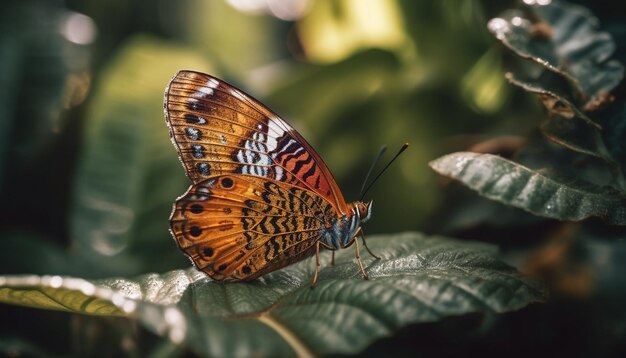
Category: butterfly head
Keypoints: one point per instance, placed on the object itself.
(363, 210)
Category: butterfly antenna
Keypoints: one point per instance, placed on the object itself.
(381, 151)
(402, 149)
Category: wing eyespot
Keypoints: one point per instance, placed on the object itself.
(196, 209)
(195, 231)
(208, 251)
(227, 183)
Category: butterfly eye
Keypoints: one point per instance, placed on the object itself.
(226, 183)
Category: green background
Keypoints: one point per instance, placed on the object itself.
(88, 173)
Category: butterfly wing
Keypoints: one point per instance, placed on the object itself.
(238, 227)
(218, 129)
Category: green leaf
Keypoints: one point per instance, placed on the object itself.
(418, 279)
(583, 51)
(59, 293)
(557, 105)
(513, 184)
(571, 128)
(568, 44)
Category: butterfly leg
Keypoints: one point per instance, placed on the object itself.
(367, 248)
(332, 258)
(317, 264)
(358, 259)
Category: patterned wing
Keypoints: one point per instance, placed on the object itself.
(218, 129)
(239, 227)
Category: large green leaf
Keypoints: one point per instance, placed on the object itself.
(418, 279)
(513, 184)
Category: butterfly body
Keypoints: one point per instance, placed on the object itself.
(261, 197)
(342, 230)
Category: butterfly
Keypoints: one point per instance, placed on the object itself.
(261, 197)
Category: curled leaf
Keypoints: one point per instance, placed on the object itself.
(564, 39)
(554, 103)
(571, 128)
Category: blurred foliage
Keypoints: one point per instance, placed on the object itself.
(114, 211)
(570, 169)
(88, 174)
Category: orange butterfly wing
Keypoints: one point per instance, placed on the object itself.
(238, 227)
(260, 193)
(219, 129)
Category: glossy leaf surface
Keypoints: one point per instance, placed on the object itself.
(418, 279)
